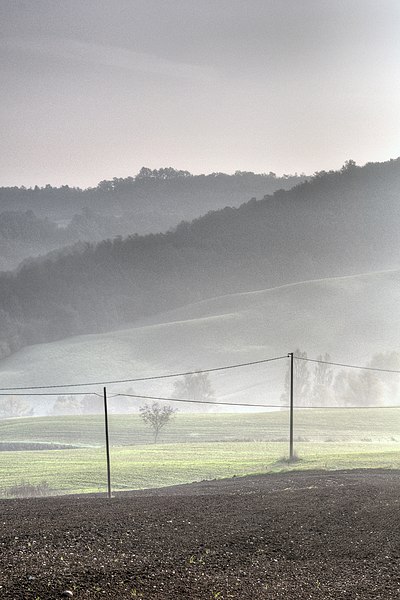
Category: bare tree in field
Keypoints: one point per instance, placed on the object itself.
(157, 416)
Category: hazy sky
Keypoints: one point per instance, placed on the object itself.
(92, 89)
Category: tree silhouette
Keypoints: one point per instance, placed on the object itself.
(12, 406)
(322, 389)
(157, 417)
(196, 386)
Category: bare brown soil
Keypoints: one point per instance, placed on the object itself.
(298, 536)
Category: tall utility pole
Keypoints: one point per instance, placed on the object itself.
(107, 444)
(291, 453)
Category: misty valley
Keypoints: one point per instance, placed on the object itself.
(311, 267)
(199, 363)
(191, 337)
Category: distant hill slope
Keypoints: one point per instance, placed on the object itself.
(351, 318)
(340, 223)
(158, 198)
(38, 220)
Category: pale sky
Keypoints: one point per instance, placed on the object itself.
(95, 89)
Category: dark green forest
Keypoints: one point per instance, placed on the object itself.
(338, 223)
(180, 193)
(37, 220)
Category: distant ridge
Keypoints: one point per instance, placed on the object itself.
(159, 197)
(339, 223)
(37, 220)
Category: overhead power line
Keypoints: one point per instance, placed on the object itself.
(48, 394)
(161, 398)
(201, 401)
(181, 374)
(244, 404)
(151, 378)
(361, 406)
(327, 362)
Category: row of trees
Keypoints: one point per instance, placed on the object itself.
(195, 387)
(315, 384)
(167, 178)
(321, 384)
(318, 385)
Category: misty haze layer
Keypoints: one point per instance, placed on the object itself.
(39, 220)
(339, 223)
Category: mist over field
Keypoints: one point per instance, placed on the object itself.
(165, 158)
(199, 299)
(312, 269)
(199, 200)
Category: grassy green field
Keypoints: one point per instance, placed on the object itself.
(195, 447)
(84, 470)
(339, 425)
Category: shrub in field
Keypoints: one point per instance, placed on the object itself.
(33, 446)
(24, 489)
(289, 460)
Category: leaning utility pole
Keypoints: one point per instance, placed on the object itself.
(291, 453)
(107, 444)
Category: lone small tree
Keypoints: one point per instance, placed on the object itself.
(157, 416)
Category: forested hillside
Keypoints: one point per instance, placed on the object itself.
(159, 198)
(37, 220)
(338, 223)
(24, 236)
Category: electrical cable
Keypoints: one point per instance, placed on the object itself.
(327, 362)
(151, 378)
(202, 401)
(48, 394)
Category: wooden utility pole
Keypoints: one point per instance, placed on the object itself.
(107, 444)
(291, 452)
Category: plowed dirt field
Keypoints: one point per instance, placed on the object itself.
(303, 535)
